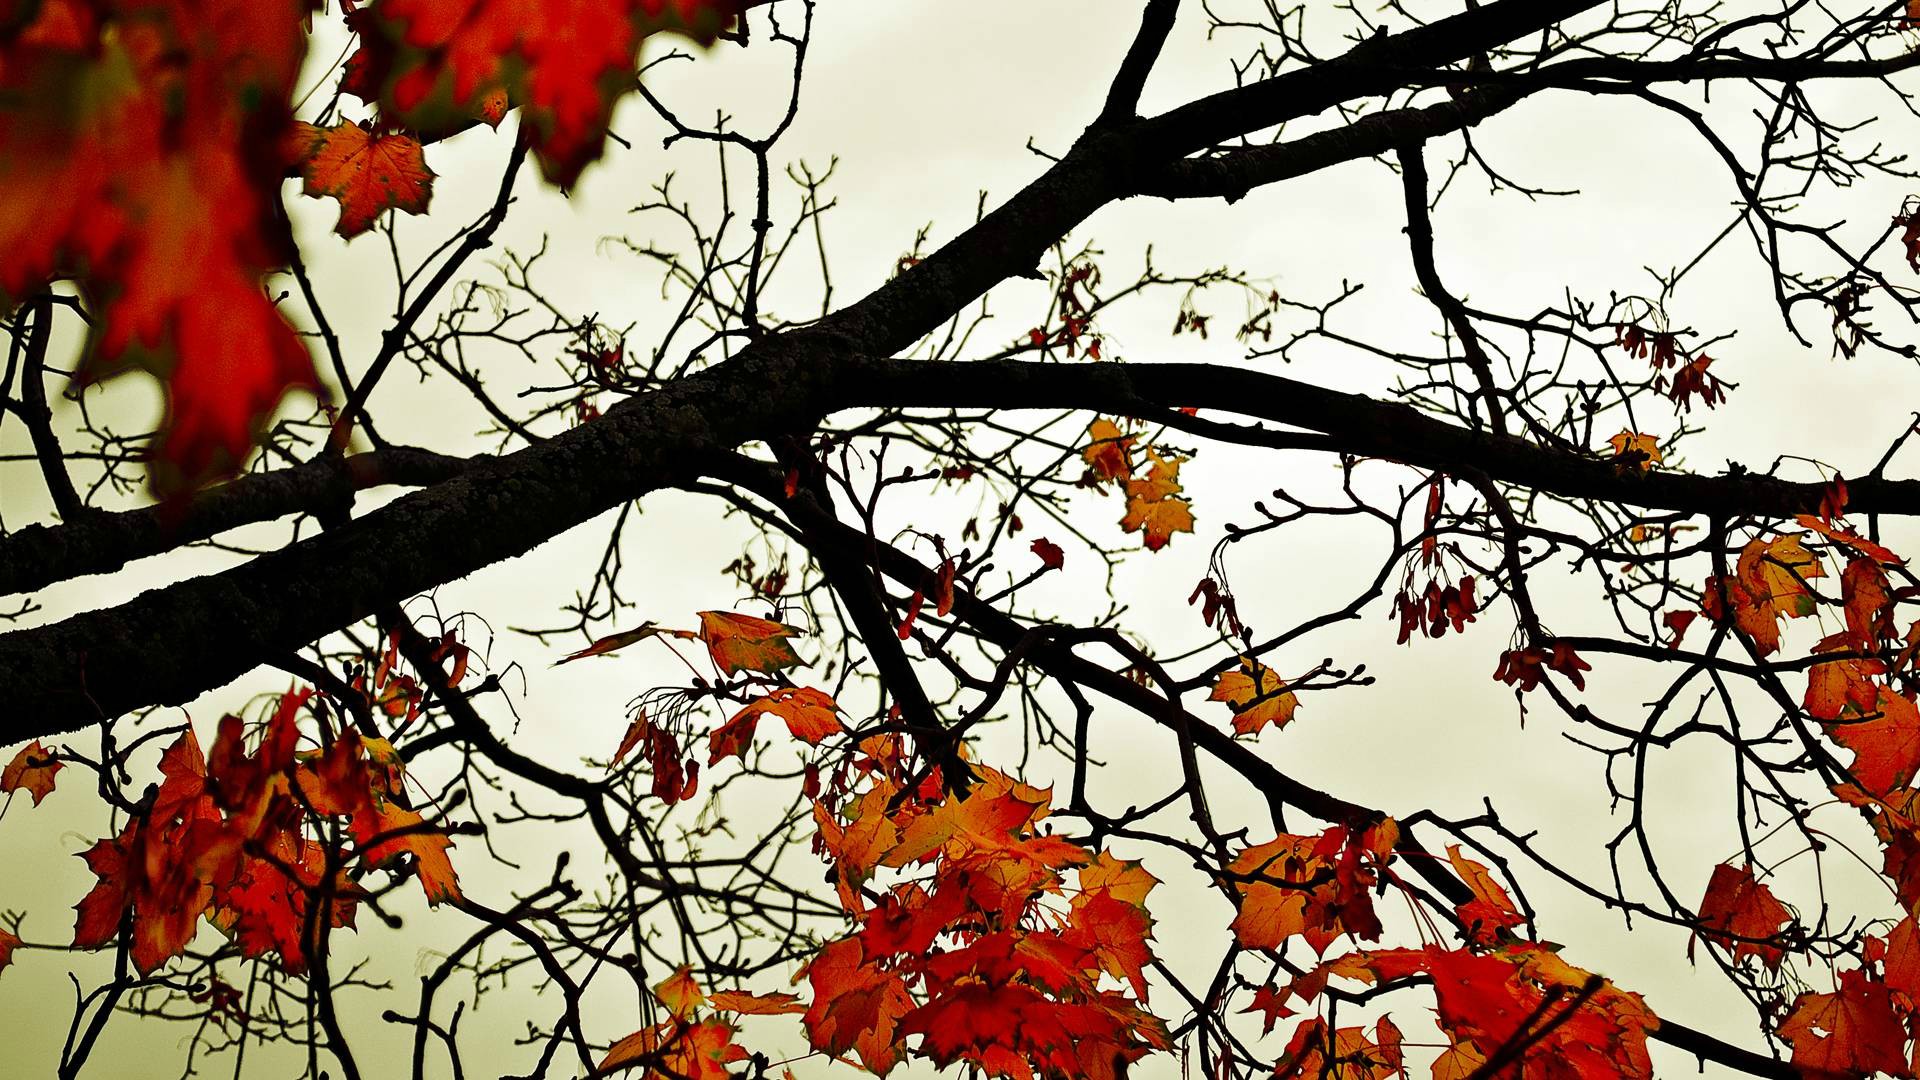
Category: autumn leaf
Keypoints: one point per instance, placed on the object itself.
(1257, 696)
(680, 993)
(749, 1004)
(855, 1006)
(1051, 557)
(1296, 886)
(1902, 962)
(1634, 450)
(1885, 741)
(1851, 539)
(1866, 599)
(1740, 907)
(1491, 909)
(33, 769)
(624, 638)
(1487, 1001)
(810, 715)
(1155, 509)
(1109, 451)
(1854, 1031)
(432, 64)
(636, 730)
(744, 643)
(428, 846)
(1524, 668)
(367, 174)
(1775, 574)
(1315, 1053)
(677, 1051)
(9, 941)
(141, 158)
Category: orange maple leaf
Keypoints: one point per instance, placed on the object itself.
(9, 941)
(366, 174)
(1316, 1053)
(1491, 909)
(33, 769)
(428, 846)
(1315, 887)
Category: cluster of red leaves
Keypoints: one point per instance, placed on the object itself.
(938, 585)
(1525, 668)
(1217, 606)
(1868, 1023)
(232, 836)
(146, 141)
(1500, 999)
(140, 155)
(981, 951)
(1076, 315)
(437, 65)
(735, 643)
(1688, 379)
(1436, 610)
(1439, 607)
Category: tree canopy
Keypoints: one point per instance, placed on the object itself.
(540, 640)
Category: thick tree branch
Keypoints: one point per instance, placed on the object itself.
(169, 645)
(1123, 97)
(40, 555)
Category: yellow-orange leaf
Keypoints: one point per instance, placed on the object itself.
(680, 993)
(32, 768)
(1257, 696)
(744, 643)
(1639, 450)
(1155, 507)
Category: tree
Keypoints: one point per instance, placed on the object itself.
(1010, 766)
